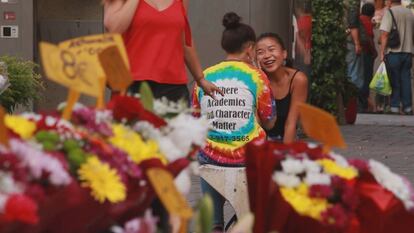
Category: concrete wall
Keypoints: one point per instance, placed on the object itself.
(263, 15)
(23, 45)
(58, 20)
(69, 9)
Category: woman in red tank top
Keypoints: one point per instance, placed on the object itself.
(158, 41)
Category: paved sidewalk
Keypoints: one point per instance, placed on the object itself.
(386, 138)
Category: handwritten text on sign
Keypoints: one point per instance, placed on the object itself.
(74, 63)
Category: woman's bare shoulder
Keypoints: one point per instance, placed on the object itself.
(300, 80)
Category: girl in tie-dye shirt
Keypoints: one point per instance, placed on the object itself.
(237, 117)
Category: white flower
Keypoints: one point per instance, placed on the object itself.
(4, 83)
(147, 130)
(317, 179)
(3, 201)
(183, 182)
(195, 168)
(187, 130)
(50, 121)
(339, 159)
(31, 116)
(392, 182)
(286, 180)
(312, 145)
(8, 185)
(170, 149)
(102, 116)
(163, 107)
(177, 138)
(77, 106)
(293, 166)
(311, 166)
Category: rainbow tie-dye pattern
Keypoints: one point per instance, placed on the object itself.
(234, 118)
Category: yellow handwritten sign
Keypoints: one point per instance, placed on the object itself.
(4, 139)
(74, 63)
(321, 126)
(163, 184)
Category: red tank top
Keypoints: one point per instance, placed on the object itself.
(154, 43)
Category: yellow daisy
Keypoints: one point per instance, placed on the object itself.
(104, 182)
(132, 143)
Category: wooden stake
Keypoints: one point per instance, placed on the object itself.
(73, 97)
(116, 71)
(4, 138)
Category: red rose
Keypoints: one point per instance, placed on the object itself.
(131, 109)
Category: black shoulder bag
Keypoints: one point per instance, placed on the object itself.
(394, 35)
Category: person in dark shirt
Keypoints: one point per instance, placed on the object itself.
(369, 53)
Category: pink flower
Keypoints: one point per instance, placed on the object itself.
(146, 224)
(39, 163)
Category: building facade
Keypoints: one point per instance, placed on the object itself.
(58, 20)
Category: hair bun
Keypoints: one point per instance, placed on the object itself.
(231, 20)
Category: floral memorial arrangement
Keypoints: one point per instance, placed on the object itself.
(305, 187)
(89, 173)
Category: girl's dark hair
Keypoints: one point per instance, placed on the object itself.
(236, 33)
(278, 39)
(274, 36)
(368, 9)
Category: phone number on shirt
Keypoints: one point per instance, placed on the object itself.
(230, 138)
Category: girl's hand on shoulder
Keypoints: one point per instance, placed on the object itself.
(209, 88)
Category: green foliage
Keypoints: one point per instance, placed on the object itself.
(328, 54)
(25, 83)
(146, 96)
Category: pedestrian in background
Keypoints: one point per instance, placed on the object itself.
(355, 35)
(398, 59)
(153, 32)
(369, 53)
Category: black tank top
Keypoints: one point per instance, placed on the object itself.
(282, 111)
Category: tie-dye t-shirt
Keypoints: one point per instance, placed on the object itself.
(234, 118)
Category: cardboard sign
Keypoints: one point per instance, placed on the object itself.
(71, 71)
(321, 126)
(163, 184)
(74, 63)
(4, 139)
(118, 76)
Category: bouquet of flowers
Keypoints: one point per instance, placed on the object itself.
(88, 174)
(307, 190)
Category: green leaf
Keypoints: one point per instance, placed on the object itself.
(25, 83)
(204, 218)
(147, 98)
